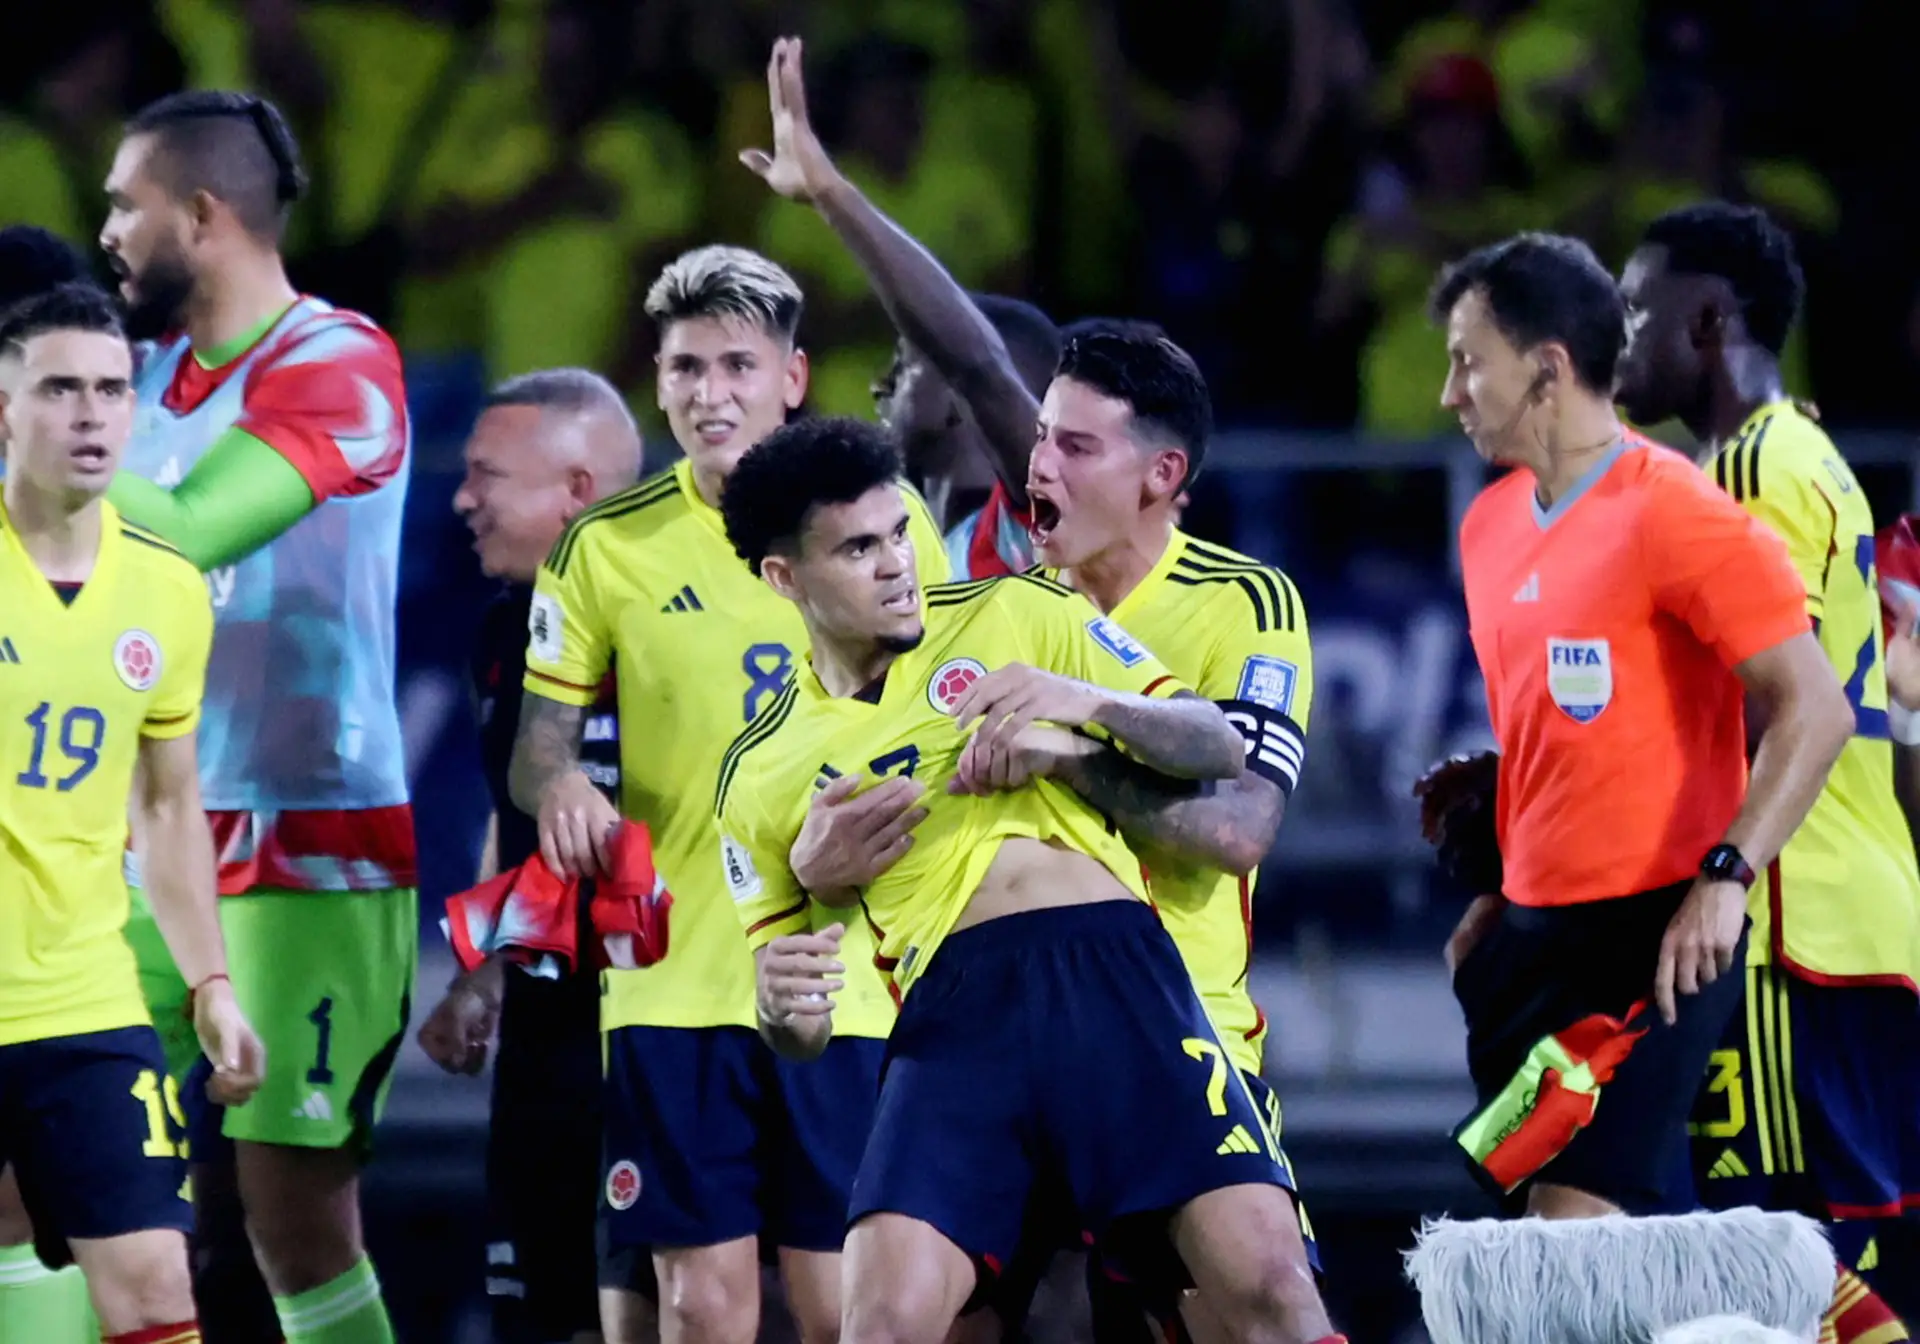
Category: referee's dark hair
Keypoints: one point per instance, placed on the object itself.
(1742, 245)
(1543, 287)
(802, 466)
(236, 147)
(33, 261)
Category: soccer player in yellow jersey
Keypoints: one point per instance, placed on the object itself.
(1048, 1028)
(1810, 1105)
(712, 1141)
(104, 634)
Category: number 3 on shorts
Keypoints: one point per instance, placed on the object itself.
(160, 1096)
(1199, 1047)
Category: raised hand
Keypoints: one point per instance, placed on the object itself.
(799, 167)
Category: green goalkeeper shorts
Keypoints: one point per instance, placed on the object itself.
(326, 978)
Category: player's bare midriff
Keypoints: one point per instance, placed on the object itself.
(1028, 875)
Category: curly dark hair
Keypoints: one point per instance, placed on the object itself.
(33, 261)
(803, 465)
(1745, 247)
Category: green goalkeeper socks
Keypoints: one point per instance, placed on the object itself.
(38, 1303)
(346, 1311)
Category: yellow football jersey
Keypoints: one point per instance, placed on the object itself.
(647, 577)
(811, 738)
(80, 685)
(1842, 904)
(1233, 629)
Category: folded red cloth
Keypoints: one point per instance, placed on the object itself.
(530, 915)
(1897, 560)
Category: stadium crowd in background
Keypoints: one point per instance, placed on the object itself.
(501, 179)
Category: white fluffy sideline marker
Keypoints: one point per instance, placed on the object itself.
(1621, 1280)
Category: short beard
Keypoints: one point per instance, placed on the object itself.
(164, 288)
(898, 644)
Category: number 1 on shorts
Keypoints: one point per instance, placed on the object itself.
(322, 1019)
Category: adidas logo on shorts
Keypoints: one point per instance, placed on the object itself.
(1728, 1166)
(1237, 1141)
(315, 1107)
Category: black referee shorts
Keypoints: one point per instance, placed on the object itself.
(1579, 1082)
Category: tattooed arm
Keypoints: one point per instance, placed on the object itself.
(1185, 735)
(1228, 824)
(546, 782)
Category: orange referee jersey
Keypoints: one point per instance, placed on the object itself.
(1607, 629)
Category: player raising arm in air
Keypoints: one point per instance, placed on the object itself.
(1833, 964)
(1047, 1017)
(104, 633)
(271, 446)
(1619, 605)
(968, 371)
(712, 1143)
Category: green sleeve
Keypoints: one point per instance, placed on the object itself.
(241, 495)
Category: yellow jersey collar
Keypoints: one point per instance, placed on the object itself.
(1150, 583)
(103, 560)
(1759, 417)
(696, 503)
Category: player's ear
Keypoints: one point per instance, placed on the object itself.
(777, 570)
(1709, 325)
(1166, 473)
(799, 371)
(202, 207)
(580, 489)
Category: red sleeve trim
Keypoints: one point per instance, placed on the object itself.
(538, 675)
(1157, 683)
(797, 908)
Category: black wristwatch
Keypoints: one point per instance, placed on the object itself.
(1724, 863)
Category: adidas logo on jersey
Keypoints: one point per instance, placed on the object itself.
(8, 654)
(1237, 1141)
(1727, 1167)
(315, 1107)
(1530, 590)
(684, 600)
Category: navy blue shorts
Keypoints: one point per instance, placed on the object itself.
(91, 1125)
(1065, 1044)
(1549, 987)
(1812, 1103)
(710, 1137)
(1051, 1227)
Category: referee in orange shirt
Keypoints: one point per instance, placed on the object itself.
(1622, 609)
